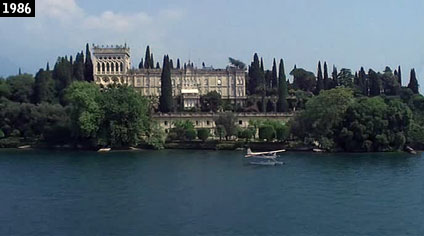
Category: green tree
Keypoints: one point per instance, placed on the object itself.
(87, 114)
(78, 67)
(237, 63)
(335, 76)
(321, 119)
(413, 82)
(320, 80)
(211, 101)
(88, 70)
(147, 59)
(304, 80)
(345, 78)
(274, 80)
(327, 81)
(4, 88)
(165, 99)
(282, 104)
(155, 136)
(20, 87)
(246, 134)
(228, 121)
(254, 75)
(62, 75)
(375, 83)
(44, 88)
(267, 133)
(203, 134)
(126, 117)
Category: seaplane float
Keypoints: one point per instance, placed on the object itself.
(264, 158)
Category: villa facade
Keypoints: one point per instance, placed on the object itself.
(112, 64)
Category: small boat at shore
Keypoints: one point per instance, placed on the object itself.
(104, 150)
(24, 147)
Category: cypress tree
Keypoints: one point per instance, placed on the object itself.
(47, 67)
(335, 76)
(274, 81)
(78, 67)
(89, 69)
(19, 71)
(282, 104)
(44, 90)
(152, 62)
(141, 64)
(320, 82)
(413, 82)
(178, 64)
(62, 76)
(356, 79)
(363, 82)
(399, 76)
(147, 58)
(254, 74)
(374, 83)
(171, 64)
(165, 99)
(262, 85)
(158, 66)
(262, 65)
(327, 82)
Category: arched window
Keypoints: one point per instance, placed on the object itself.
(103, 67)
(112, 67)
(107, 67)
(122, 67)
(117, 66)
(98, 66)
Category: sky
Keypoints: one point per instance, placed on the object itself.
(349, 34)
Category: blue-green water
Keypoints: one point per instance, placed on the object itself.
(209, 193)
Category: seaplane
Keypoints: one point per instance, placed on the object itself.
(264, 158)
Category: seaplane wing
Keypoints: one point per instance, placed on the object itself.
(252, 154)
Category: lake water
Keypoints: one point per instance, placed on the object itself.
(209, 193)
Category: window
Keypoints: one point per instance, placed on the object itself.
(197, 122)
(240, 122)
(165, 122)
(207, 122)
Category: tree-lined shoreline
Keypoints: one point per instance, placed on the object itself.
(344, 111)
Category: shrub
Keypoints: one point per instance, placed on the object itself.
(246, 134)
(267, 133)
(203, 134)
(282, 132)
(190, 134)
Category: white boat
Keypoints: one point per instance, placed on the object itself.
(104, 150)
